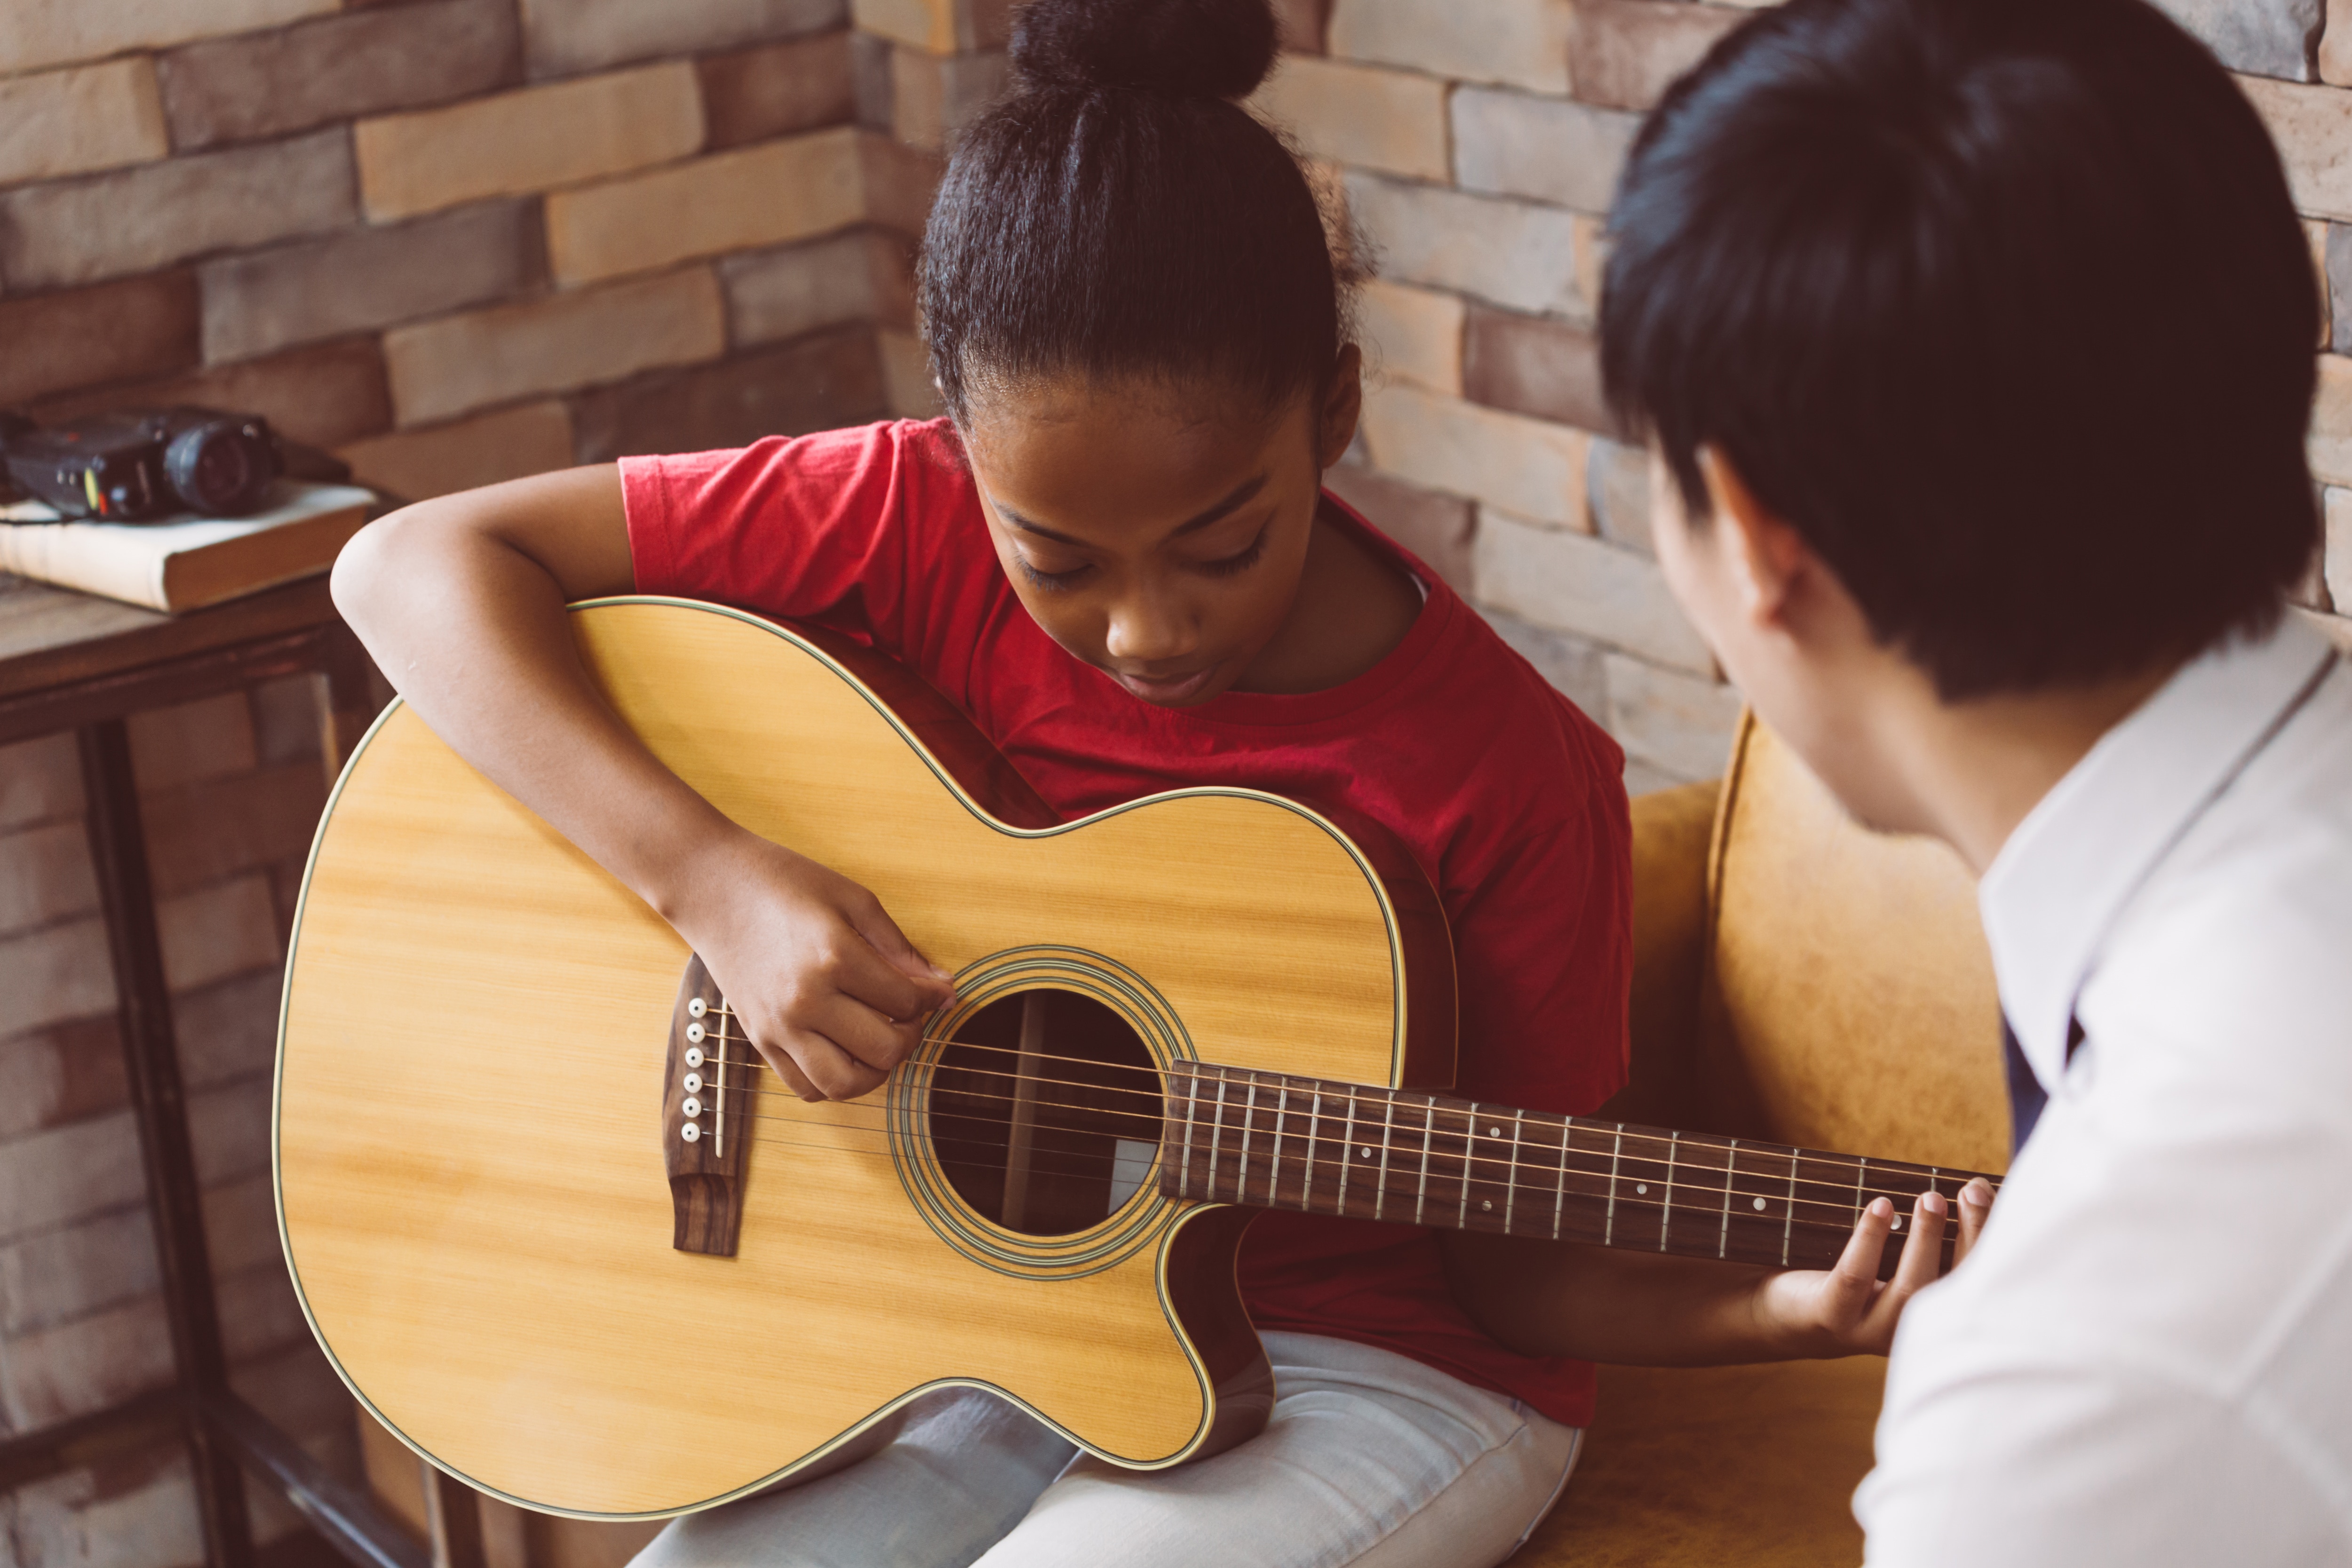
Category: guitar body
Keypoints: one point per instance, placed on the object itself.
(470, 1124)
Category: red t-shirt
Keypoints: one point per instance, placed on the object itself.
(1509, 795)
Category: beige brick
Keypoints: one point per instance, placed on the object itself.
(899, 182)
(2336, 44)
(458, 363)
(2330, 446)
(202, 833)
(129, 330)
(217, 931)
(1513, 253)
(88, 1364)
(39, 780)
(67, 1174)
(1680, 723)
(45, 876)
(1413, 334)
(228, 1031)
(561, 36)
(74, 121)
(1526, 466)
(1619, 477)
(1531, 365)
(770, 193)
(907, 383)
(918, 23)
(1365, 116)
(150, 215)
(322, 394)
(1575, 584)
(1571, 664)
(531, 139)
(2338, 627)
(2313, 128)
(2271, 38)
(208, 739)
(1522, 43)
(38, 33)
(815, 383)
(932, 97)
(1590, 235)
(53, 1275)
(1624, 53)
(1546, 149)
(2339, 549)
(1435, 527)
(2315, 235)
(867, 275)
(414, 465)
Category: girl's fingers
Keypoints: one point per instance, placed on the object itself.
(1923, 1255)
(1976, 1207)
(1853, 1279)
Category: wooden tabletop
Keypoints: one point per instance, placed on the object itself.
(54, 637)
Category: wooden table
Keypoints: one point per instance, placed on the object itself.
(69, 662)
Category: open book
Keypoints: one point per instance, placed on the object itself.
(186, 563)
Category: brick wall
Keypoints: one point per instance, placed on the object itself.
(459, 240)
(1476, 148)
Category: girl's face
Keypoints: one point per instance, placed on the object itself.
(1155, 533)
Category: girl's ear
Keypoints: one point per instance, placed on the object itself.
(1343, 405)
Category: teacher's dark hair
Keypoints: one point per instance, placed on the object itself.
(1120, 217)
(2001, 304)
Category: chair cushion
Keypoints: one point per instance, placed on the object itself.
(1747, 1465)
(1850, 1003)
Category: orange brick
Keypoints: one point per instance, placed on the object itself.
(455, 365)
(770, 193)
(907, 376)
(918, 23)
(1413, 334)
(2336, 44)
(414, 465)
(73, 121)
(2330, 444)
(1370, 118)
(532, 139)
(932, 97)
(899, 182)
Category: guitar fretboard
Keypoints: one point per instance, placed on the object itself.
(1269, 1141)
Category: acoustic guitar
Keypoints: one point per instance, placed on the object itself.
(561, 1230)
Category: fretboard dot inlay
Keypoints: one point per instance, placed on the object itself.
(1493, 1133)
(1363, 1154)
(1640, 1186)
(1759, 1204)
(1898, 1221)
(1486, 1203)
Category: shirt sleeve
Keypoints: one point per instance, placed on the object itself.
(822, 528)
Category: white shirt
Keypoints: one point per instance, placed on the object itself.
(2148, 1358)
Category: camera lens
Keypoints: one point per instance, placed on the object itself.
(221, 467)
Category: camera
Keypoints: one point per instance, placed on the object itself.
(141, 464)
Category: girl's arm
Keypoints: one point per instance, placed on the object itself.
(461, 601)
(1635, 1309)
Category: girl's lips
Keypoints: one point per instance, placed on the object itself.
(1173, 689)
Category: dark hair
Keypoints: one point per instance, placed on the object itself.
(2001, 304)
(1118, 217)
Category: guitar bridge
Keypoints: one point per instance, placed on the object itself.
(709, 1093)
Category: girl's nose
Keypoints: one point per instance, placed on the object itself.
(1146, 630)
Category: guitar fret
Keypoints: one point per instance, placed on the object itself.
(1314, 1121)
(1462, 1221)
(1191, 1104)
(1511, 1192)
(1348, 1154)
(1560, 1190)
(1666, 1204)
(1860, 1174)
(1387, 1132)
(1428, 1125)
(1616, 1153)
(1723, 1238)
(1274, 1171)
(1789, 1224)
(1249, 1125)
(1217, 1131)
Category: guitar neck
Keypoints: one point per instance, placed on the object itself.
(1269, 1141)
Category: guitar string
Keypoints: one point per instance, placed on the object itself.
(1157, 1121)
(1379, 1098)
(1276, 1200)
(1158, 1126)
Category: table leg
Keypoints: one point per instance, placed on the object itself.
(117, 848)
(454, 1516)
(347, 704)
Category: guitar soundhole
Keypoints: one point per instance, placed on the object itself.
(1045, 1112)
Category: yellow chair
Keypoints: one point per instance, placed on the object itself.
(1796, 978)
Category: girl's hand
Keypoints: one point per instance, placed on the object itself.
(1848, 1309)
(831, 990)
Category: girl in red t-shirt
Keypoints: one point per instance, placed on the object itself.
(1116, 556)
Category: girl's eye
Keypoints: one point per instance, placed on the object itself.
(1049, 580)
(1232, 565)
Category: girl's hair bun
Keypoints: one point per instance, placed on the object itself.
(1196, 48)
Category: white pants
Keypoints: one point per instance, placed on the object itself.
(1371, 1459)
